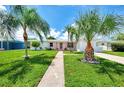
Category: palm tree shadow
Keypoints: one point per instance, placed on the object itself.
(19, 74)
(109, 68)
(19, 68)
(41, 59)
(12, 67)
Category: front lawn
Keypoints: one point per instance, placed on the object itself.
(114, 53)
(72, 52)
(79, 74)
(15, 71)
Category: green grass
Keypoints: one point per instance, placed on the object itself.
(72, 52)
(114, 53)
(79, 74)
(15, 71)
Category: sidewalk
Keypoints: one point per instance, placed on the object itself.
(111, 57)
(54, 76)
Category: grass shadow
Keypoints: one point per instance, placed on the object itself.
(19, 68)
(41, 59)
(109, 68)
(12, 67)
(19, 74)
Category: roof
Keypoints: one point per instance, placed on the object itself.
(58, 41)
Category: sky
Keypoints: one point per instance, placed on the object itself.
(58, 16)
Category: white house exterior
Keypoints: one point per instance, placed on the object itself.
(78, 46)
(81, 45)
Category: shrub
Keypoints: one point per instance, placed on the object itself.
(117, 46)
(35, 44)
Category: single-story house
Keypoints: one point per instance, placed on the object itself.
(11, 45)
(60, 45)
(106, 45)
(78, 46)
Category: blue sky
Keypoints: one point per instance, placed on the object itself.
(58, 16)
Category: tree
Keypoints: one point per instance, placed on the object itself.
(7, 26)
(91, 24)
(119, 36)
(51, 38)
(28, 18)
(35, 44)
(72, 33)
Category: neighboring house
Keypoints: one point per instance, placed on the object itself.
(106, 45)
(11, 45)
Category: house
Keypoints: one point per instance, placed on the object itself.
(106, 45)
(78, 46)
(57, 45)
(61, 45)
(4, 45)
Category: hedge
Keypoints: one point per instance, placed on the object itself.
(117, 46)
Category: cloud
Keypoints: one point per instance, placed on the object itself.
(73, 24)
(2, 8)
(54, 33)
(64, 36)
(59, 35)
(19, 34)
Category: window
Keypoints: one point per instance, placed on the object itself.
(103, 44)
(51, 44)
(70, 45)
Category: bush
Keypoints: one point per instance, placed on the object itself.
(117, 46)
(35, 44)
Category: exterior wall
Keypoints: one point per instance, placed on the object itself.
(104, 45)
(81, 45)
(56, 45)
(65, 45)
(44, 45)
(13, 45)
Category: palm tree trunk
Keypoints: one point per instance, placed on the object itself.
(25, 36)
(68, 40)
(89, 52)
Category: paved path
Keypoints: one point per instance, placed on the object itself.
(54, 76)
(111, 57)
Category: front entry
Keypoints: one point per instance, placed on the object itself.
(61, 46)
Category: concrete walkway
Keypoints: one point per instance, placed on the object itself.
(54, 76)
(111, 57)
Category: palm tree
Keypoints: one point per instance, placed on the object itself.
(72, 33)
(7, 25)
(28, 18)
(91, 24)
(68, 28)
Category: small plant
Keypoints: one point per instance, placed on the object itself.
(35, 44)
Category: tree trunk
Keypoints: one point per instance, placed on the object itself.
(25, 36)
(35, 48)
(89, 53)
